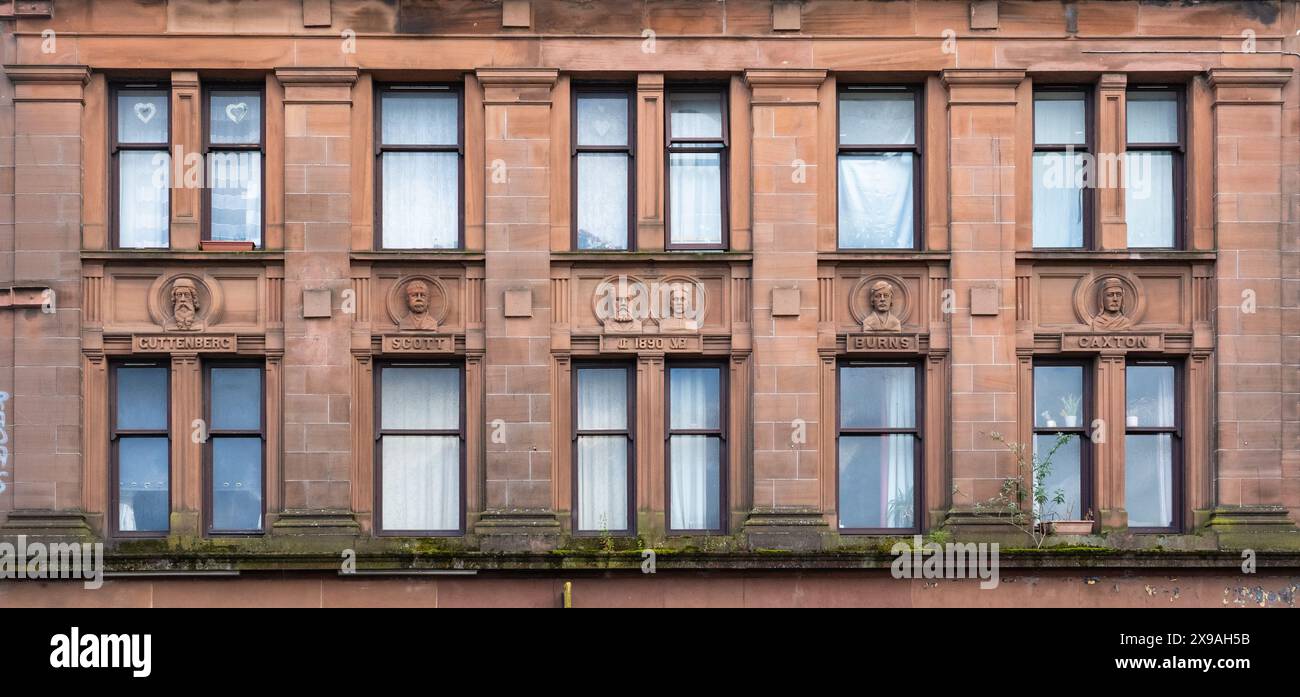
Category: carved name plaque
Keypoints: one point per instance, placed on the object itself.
(666, 344)
(1112, 342)
(414, 343)
(882, 343)
(183, 343)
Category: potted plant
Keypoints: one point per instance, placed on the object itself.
(1048, 421)
(1072, 527)
(1070, 410)
(1009, 505)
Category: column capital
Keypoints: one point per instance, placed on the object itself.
(48, 74)
(316, 76)
(1248, 86)
(517, 85)
(784, 86)
(1003, 77)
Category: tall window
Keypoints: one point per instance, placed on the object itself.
(421, 444)
(420, 168)
(141, 133)
(603, 448)
(141, 448)
(1152, 446)
(879, 441)
(696, 448)
(234, 450)
(602, 168)
(1061, 409)
(879, 165)
(233, 150)
(1153, 167)
(697, 168)
(1062, 204)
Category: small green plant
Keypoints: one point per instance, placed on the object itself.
(1008, 504)
(1070, 408)
(606, 539)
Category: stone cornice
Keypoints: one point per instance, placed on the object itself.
(48, 73)
(1249, 77)
(316, 76)
(517, 77)
(784, 77)
(987, 77)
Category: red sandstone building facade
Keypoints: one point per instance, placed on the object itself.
(522, 288)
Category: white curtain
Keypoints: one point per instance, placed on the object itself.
(1058, 200)
(421, 473)
(875, 201)
(602, 200)
(1149, 198)
(421, 480)
(900, 408)
(877, 118)
(144, 199)
(602, 459)
(695, 186)
(1059, 118)
(421, 200)
(696, 459)
(236, 182)
(1148, 458)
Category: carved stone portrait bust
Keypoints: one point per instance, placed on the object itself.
(882, 317)
(1110, 316)
(185, 305)
(418, 317)
(682, 311)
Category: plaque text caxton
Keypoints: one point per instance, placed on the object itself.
(1112, 342)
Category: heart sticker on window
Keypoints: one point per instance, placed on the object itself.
(237, 112)
(145, 111)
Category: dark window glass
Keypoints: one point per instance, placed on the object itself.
(878, 439)
(235, 449)
(141, 449)
(1061, 411)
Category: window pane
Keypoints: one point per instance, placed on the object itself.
(696, 480)
(876, 481)
(602, 399)
(143, 200)
(235, 117)
(236, 399)
(1059, 118)
(696, 115)
(421, 483)
(141, 399)
(1058, 396)
(1062, 485)
(875, 201)
(602, 200)
(421, 199)
(143, 503)
(602, 483)
(236, 181)
(1058, 200)
(1149, 480)
(1152, 117)
(420, 398)
(696, 398)
(1149, 391)
(1149, 198)
(882, 397)
(695, 185)
(236, 483)
(602, 119)
(142, 116)
(877, 118)
(420, 118)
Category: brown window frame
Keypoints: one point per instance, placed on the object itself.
(724, 414)
(629, 432)
(603, 88)
(115, 436)
(1178, 150)
(1175, 442)
(917, 431)
(209, 147)
(671, 148)
(209, 464)
(380, 432)
(1088, 200)
(917, 150)
(1087, 468)
(115, 147)
(459, 148)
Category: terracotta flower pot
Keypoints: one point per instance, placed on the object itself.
(1071, 527)
(226, 246)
